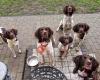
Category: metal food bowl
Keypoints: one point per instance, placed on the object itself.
(32, 61)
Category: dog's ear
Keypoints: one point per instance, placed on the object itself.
(6, 34)
(50, 32)
(65, 10)
(86, 27)
(76, 28)
(73, 8)
(70, 39)
(61, 39)
(77, 59)
(37, 33)
(95, 64)
(15, 31)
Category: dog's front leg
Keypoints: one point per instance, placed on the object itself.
(65, 53)
(50, 59)
(11, 47)
(60, 27)
(64, 31)
(75, 43)
(43, 60)
(50, 53)
(53, 41)
(13, 51)
(17, 45)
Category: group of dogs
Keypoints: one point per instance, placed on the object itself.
(85, 65)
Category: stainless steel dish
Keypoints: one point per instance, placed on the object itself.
(32, 60)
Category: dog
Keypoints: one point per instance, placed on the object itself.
(80, 30)
(10, 37)
(85, 66)
(44, 44)
(67, 22)
(64, 44)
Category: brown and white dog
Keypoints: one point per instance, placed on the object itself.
(67, 22)
(64, 44)
(85, 66)
(44, 44)
(80, 31)
(10, 37)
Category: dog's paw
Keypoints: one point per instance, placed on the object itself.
(61, 57)
(14, 56)
(59, 29)
(41, 63)
(71, 47)
(77, 49)
(19, 51)
(53, 64)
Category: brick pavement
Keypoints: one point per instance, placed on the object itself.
(26, 26)
(66, 65)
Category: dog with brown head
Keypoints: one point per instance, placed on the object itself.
(44, 44)
(67, 22)
(10, 37)
(64, 44)
(69, 10)
(85, 65)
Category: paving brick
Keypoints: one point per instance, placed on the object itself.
(19, 76)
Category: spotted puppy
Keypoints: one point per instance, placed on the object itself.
(10, 37)
(67, 22)
(85, 66)
(80, 31)
(64, 44)
(44, 44)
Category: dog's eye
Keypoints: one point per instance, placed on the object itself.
(84, 57)
(46, 28)
(90, 58)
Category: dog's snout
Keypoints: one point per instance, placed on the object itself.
(44, 33)
(81, 31)
(88, 62)
(69, 9)
(81, 35)
(44, 30)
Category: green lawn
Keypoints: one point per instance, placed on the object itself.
(33, 7)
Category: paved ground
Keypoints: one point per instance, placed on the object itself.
(27, 25)
(66, 65)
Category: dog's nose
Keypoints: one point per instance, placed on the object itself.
(44, 33)
(88, 63)
(81, 31)
(69, 8)
(66, 41)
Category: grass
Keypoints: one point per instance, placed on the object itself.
(33, 7)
